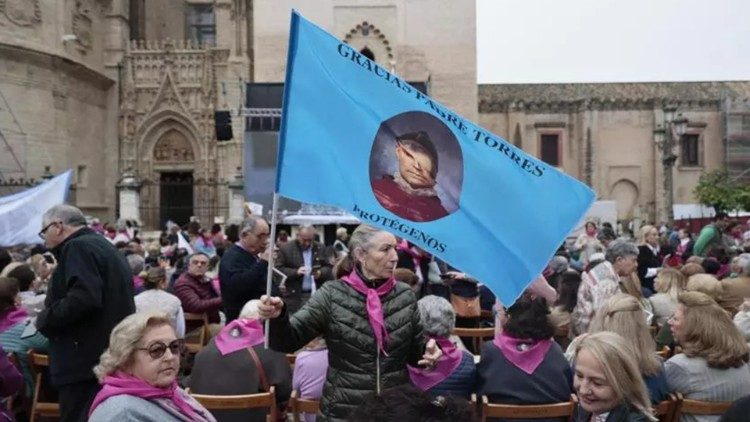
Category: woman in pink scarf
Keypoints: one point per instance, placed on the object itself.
(138, 373)
(523, 365)
(455, 372)
(369, 321)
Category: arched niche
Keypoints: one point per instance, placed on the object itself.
(625, 193)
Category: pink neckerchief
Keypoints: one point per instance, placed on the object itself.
(122, 383)
(426, 379)
(526, 360)
(11, 317)
(374, 306)
(239, 334)
(416, 257)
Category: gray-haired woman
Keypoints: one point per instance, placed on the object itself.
(603, 281)
(369, 321)
(455, 372)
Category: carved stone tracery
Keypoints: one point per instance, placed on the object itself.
(22, 12)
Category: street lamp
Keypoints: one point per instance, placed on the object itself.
(665, 137)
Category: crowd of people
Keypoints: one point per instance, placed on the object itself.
(370, 318)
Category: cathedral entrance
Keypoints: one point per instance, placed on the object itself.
(175, 197)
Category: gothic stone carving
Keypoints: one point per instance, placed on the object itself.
(173, 148)
(22, 12)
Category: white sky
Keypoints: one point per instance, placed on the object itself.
(537, 41)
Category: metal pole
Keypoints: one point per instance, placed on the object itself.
(668, 160)
(269, 275)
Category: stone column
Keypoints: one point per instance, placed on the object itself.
(130, 201)
(237, 196)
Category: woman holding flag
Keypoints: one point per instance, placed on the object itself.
(369, 321)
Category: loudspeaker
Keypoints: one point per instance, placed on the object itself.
(223, 123)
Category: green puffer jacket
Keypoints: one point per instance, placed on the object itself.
(339, 313)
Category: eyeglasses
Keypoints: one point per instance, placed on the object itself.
(157, 350)
(43, 232)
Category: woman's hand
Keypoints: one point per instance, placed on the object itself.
(270, 307)
(432, 354)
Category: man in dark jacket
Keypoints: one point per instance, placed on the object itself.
(243, 268)
(303, 262)
(91, 291)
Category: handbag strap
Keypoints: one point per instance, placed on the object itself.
(261, 370)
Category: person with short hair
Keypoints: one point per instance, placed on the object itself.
(711, 235)
(523, 365)
(303, 262)
(32, 302)
(138, 373)
(228, 365)
(342, 236)
(713, 365)
(455, 372)
(608, 382)
(155, 298)
(197, 293)
(91, 291)
(603, 281)
(737, 288)
(649, 259)
(410, 192)
(244, 266)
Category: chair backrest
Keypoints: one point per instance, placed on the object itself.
(192, 343)
(698, 407)
(666, 409)
(664, 353)
(477, 335)
(241, 401)
(531, 411)
(37, 363)
(300, 406)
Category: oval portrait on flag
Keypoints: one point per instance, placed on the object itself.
(416, 167)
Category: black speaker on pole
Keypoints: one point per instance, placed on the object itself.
(223, 123)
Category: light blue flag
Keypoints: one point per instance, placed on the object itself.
(21, 213)
(355, 136)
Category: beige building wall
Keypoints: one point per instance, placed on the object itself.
(58, 74)
(607, 134)
(425, 41)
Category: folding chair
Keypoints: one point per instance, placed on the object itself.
(301, 406)
(665, 410)
(193, 343)
(239, 402)
(477, 335)
(38, 407)
(699, 407)
(530, 411)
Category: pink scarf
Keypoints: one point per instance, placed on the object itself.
(526, 360)
(416, 257)
(122, 383)
(374, 306)
(426, 379)
(11, 317)
(249, 334)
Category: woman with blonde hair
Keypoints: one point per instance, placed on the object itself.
(669, 284)
(706, 284)
(649, 261)
(622, 314)
(713, 365)
(608, 381)
(138, 373)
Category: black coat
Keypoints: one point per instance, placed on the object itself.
(242, 277)
(339, 314)
(647, 259)
(90, 292)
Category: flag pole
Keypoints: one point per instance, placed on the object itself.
(269, 273)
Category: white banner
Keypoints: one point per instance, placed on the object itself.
(21, 213)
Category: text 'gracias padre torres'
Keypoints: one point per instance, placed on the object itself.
(531, 166)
